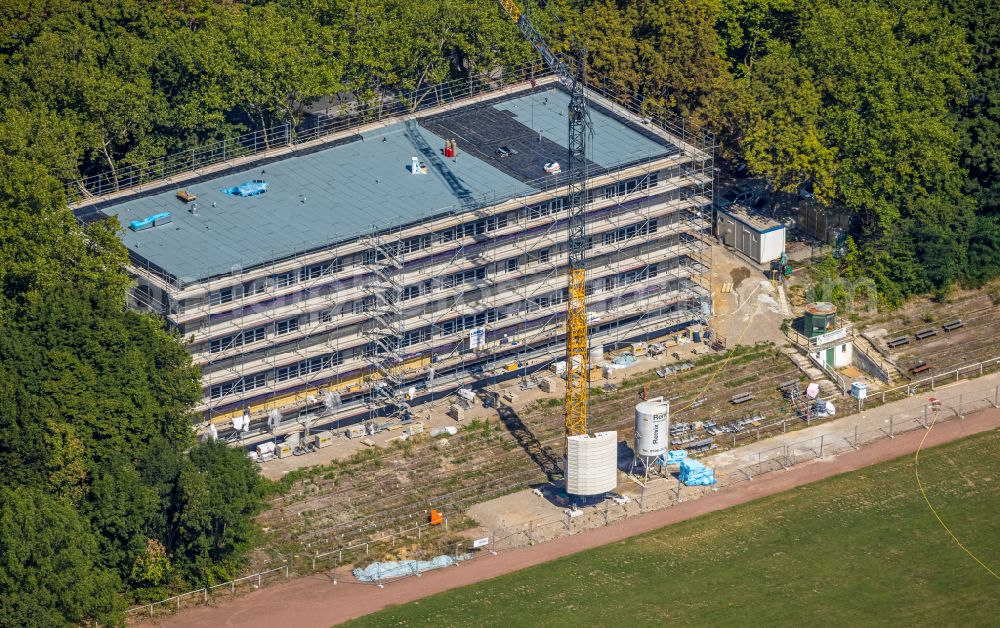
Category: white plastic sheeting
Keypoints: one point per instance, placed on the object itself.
(393, 569)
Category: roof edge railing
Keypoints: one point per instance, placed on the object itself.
(135, 178)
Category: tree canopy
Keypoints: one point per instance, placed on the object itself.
(887, 108)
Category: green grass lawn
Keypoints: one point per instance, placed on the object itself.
(861, 549)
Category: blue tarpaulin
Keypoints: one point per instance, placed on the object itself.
(393, 569)
(694, 473)
(249, 188)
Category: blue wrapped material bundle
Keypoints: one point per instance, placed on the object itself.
(694, 473)
(676, 455)
(150, 221)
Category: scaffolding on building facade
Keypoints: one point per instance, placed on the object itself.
(391, 309)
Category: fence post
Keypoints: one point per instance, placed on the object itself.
(925, 417)
(258, 580)
(286, 569)
(961, 414)
(856, 437)
(205, 598)
(821, 437)
(890, 426)
(996, 397)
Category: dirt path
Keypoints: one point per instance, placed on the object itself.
(316, 601)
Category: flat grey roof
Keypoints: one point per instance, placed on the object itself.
(757, 222)
(355, 185)
(614, 141)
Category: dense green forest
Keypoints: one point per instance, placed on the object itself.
(891, 108)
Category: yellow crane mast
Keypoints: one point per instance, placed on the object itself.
(577, 344)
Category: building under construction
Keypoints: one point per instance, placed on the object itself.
(381, 264)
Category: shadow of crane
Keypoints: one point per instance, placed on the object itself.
(546, 459)
(430, 156)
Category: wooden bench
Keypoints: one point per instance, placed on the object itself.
(898, 342)
(953, 325)
(741, 398)
(920, 367)
(927, 333)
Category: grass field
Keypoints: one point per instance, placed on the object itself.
(860, 549)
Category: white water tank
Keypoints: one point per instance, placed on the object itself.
(652, 426)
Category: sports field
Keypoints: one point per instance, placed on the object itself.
(858, 549)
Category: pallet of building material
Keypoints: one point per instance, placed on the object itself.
(726, 287)
(898, 342)
(927, 333)
(700, 445)
(953, 325)
(355, 431)
(741, 398)
(920, 367)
